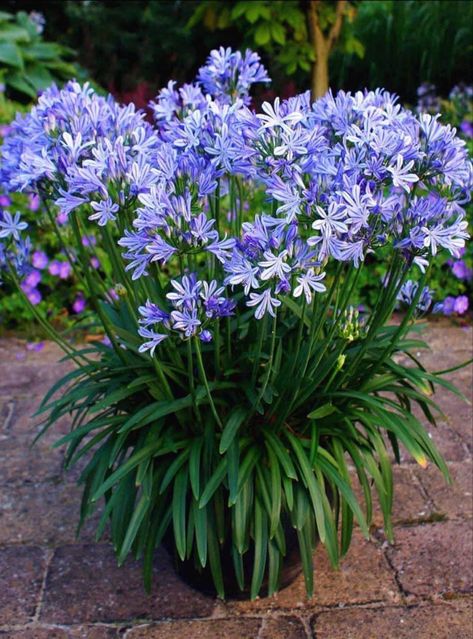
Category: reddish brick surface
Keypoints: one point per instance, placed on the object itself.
(45, 513)
(23, 381)
(364, 576)
(84, 584)
(55, 587)
(208, 629)
(455, 500)
(21, 575)
(441, 621)
(434, 559)
(410, 502)
(55, 632)
(283, 628)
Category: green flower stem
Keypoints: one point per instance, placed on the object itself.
(297, 350)
(59, 237)
(229, 340)
(261, 330)
(383, 310)
(205, 380)
(271, 357)
(318, 320)
(190, 372)
(217, 348)
(240, 205)
(115, 257)
(268, 369)
(401, 329)
(92, 291)
(120, 272)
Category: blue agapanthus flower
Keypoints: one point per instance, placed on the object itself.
(236, 210)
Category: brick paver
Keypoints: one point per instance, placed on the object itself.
(441, 621)
(55, 586)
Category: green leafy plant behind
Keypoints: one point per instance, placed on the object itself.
(28, 64)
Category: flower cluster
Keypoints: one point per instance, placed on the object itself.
(78, 147)
(229, 75)
(243, 208)
(408, 294)
(195, 304)
(15, 248)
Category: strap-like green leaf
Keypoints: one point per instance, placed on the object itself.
(234, 422)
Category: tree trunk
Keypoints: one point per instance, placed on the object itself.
(322, 45)
(319, 86)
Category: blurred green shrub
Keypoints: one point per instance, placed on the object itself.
(28, 64)
(408, 42)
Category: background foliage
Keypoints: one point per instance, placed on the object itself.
(397, 44)
(29, 64)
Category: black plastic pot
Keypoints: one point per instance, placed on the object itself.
(201, 578)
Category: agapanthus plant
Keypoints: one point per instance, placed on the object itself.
(239, 396)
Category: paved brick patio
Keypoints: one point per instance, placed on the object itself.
(54, 586)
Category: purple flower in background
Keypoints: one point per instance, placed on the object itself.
(4, 200)
(79, 304)
(34, 346)
(38, 19)
(466, 127)
(95, 262)
(39, 259)
(34, 296)
(461, 304)
(461, 270)
(112, 294)
(408, 293)
(32, 279)
(5, 128)
(89, 240)
(33, 202)
(448, 305)
(60, 269)
(61, 218)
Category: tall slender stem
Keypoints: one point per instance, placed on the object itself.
(205, 380)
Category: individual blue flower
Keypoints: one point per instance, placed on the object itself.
(205, 336)
(105, 211)
(331, 221)
(151, 314)
(264, 303)
(153, 340)
(186, 321)
(308, 283)
(11, 225)
(274, 265)
(186, 292)
(400, 173)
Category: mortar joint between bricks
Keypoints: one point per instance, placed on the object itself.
(264, 622)
(10, 405)
(49, 554)
(404, 594)
(306, 623)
